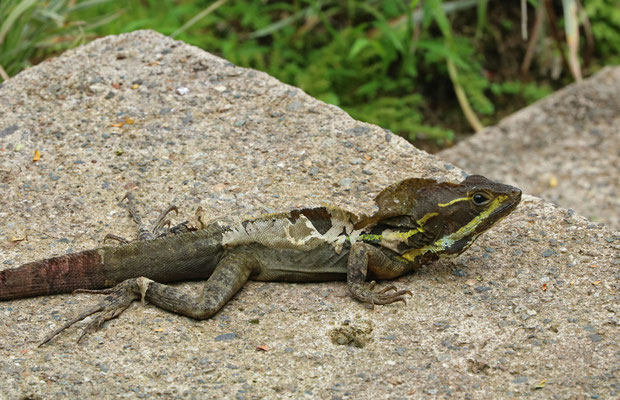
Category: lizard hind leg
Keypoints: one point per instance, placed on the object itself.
(160, 228)
(117, 300)
(231, 273)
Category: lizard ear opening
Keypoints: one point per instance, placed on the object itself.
(399, 199)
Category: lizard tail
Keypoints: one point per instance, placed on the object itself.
(62, 274)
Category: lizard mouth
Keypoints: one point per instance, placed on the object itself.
(514, 198)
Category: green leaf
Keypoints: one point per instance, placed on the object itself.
(359, 45)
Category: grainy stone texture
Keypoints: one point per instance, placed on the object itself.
(529, 311)
(565, 148)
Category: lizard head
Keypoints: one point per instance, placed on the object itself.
(420, 216)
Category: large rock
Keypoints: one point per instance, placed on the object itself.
(530, 310)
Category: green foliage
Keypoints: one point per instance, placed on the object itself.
(530, 92)
(32, 29)
(391, 62)
(604, 17)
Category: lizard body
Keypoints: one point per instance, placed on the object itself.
(418, 221)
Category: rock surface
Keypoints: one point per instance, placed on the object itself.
(565, 148)
(529, 311)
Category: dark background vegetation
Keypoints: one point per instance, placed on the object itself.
(429, 70)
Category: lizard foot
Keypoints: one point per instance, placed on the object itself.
(161, 227)
(117, 300)
(388, 295)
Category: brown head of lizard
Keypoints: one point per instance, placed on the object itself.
(423, 220)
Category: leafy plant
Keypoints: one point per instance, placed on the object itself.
(34, 29)
(409, 66)
(604, 16)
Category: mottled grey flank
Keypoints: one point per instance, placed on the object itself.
(110, 117)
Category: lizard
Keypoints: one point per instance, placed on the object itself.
(416, 221)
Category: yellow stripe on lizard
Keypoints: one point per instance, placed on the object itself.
(454, 201)
(426, 217)
(446, 241)
(368, 236)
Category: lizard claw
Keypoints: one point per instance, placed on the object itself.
(117, 300)
(120, 239)
(387, 295)
(162, 221)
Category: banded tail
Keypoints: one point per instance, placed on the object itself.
(62, 274)
(186, 256)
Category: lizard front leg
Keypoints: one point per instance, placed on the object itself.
(231, 273)
(364, 257)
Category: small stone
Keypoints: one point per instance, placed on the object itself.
(401, 351)
(356, 161)
(294, 106)
(366, 172)
(359, 130)
(520, 379)
(182, 91)
(225, 337)
(8, 130)
(220, 88)
(481, 289)
(346, 182)
(313, 171)
(548, 253)
(595, 337)
(588, 328)
(460, 272)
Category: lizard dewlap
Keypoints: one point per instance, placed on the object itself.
(418, 221)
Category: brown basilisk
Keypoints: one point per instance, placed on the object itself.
(417, 221)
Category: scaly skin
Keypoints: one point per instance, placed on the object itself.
(418, 221)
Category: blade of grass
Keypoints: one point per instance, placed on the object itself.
(3, 74)
(481, 18)
(444, 26)
(571, 27)
(276, 26)
(19, 9)
(199, 16)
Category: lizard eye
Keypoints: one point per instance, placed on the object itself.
(480, 199)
